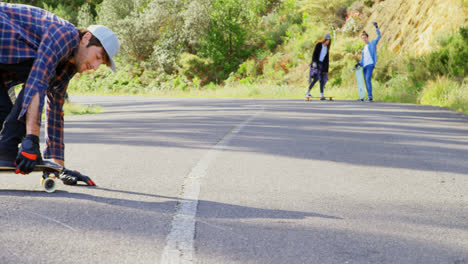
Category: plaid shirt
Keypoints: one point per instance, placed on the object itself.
(28, 32)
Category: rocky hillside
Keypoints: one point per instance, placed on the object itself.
(414, 25)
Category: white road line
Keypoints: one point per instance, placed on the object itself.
(179, 247)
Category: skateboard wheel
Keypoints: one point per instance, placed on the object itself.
(48, 184)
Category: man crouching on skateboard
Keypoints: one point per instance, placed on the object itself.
(43, 52)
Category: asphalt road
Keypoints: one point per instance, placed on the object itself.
(215, 181)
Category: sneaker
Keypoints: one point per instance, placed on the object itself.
(308, 95)
(323, 98)
(369, 100)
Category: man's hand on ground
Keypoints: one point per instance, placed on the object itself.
(28, 155)
(70, 177)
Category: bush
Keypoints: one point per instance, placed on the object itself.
(279, 26)
(343, 56)
(131, 21)
(261, 54)
(452, 58)
(417, 70)
(248, 69)
(445, 92)
(127, 80)
(271, 44)
(192, 66)
(293, 32)
(398, 90)
(340, 16)
(295, 51)
(369, 3)
(354, 47)
(306, 44)
(66, 12)
(346, 74)
(388, 65)
(66, 9)
(273, 67)
(85, 17)
(354, 23)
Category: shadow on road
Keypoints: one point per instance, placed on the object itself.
(219, 210)
(378, 134)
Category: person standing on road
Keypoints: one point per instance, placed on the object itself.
(369, 59)
(319, 65)
(43, 52)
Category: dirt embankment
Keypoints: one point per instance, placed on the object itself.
(415, 25)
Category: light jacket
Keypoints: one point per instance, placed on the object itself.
(372, 49)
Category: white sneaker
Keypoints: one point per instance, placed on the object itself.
(308, 95)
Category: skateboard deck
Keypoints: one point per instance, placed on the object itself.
(328, 98)
(50, 173)
(360, 82)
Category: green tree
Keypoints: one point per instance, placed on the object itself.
(232, 22)
(196, 22)
(136, 29)
(66, 9)
(85, 17)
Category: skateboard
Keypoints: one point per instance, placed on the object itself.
(50, 173)
(360, 82)
(328, 98)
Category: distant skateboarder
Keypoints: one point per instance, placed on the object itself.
(319, 65)
(43, 52)
(369, 59)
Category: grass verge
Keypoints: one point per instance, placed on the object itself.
(79, 109)
(443, 92)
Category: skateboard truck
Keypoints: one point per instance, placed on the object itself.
(48, 181)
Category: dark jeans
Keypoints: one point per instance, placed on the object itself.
(322, 84)
(12, 130)
(5, 103)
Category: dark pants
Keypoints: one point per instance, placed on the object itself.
(316, 75)
(12, 131)
(5, 104)
(322, 84)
